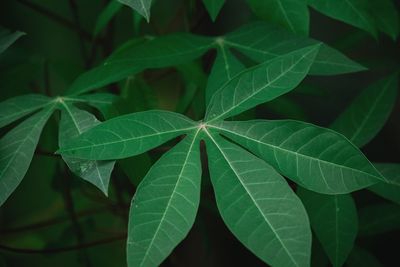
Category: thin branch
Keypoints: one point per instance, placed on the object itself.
(64, 249)
(55, 17)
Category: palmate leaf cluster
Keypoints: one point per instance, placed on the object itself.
(248, 161)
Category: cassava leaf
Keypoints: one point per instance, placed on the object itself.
(101, 101)
(334, 221)
(258, 205)
(213, 7)
(386, 16)
(7, 38)
(106, 15)
(15, 108)
(367, 114)
(140, 6)
(16, 151)
(353, 12)
(225, 67)
(379, 218)
(73, 123)
(262, 42)
(319, 159)
(290, 14)
(165, 205)
(160, 52)
(391, 189)
(128, 135)
(261, 83)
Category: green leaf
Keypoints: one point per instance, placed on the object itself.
(106, 16)
(261, 83)
(15, 108)
(378, 219)
(317, 158)
(353, 12)
(391, 189)
(225, 67)
(290, 14)
(16, 151)
(165, 51)
(334, 221)
(258, 205)
(128, 135)
(73, 123)
(213, 7)
(101, 101)
(361, 257)
(165, 205)
(7, 38)
(262, 42)
(386, 16)
(369, 111)
(141, 6)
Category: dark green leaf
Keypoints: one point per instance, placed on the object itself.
(360, 257)
(367, 114)
(73, 123)
(319, 159)
(7, 38)
(386, 16)
(334, 221)
(290, 14)
(165, 205)
(390, 190)
(379, 218)
(213, 7)
(106, 16)
(16, 151)
(258, 205)
(261, 83)
(128, 135)
(17, 107)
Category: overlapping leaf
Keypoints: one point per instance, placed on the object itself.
(390, 190)
(128, 135)
(16, 151)
(261, 83)
(292, 14)
(379, 218)
(258, 206)
(165, 204)
(7, 38)
(140, 6)
(213, 7)
(73, 123)
(317, 158)
(334, 221)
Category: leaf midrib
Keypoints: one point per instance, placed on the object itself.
(250, 195)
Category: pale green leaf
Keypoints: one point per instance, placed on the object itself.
(225, 67)
(391, 189)
(16, 151)
(165, 205)
(15, 108)
(379, 218)
(213, 7)
(128, 135)
(7, 38)
(165, 51)
(319, 159)
(353, 12)
(334, 221)
(291, 14)
(361, 257)
(262, 42)
(73, 123)
(141, 6)
(258, 206)
(261, 83)
(106, 16)
(368, 112)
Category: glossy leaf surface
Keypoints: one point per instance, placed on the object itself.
(165, 205)
(258, 205)
(127, 135)
(334, 221)
(16, 151)
(261, 83)
(316, 158)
